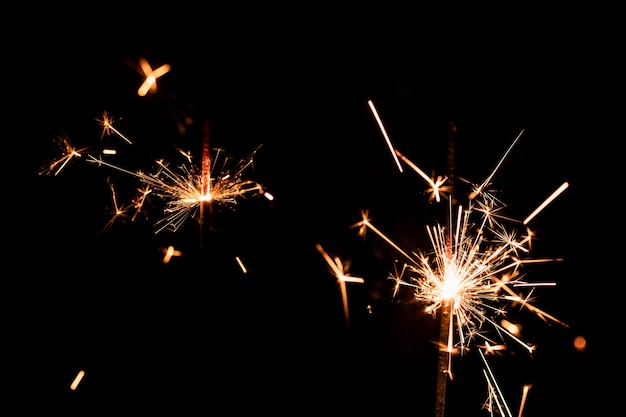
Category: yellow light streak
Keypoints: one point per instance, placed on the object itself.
(384, 132)
(241, 265)
(340, 271)
(547, 201)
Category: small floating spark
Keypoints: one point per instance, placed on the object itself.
(77, 379)
(149, 84)
(340, 270)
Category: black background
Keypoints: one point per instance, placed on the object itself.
(197, 333)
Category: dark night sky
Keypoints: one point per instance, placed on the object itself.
(199, 334)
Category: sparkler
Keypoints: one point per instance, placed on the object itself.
(185, 190)
(471, 275)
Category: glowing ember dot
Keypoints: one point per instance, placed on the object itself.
(580, 343)
(511, 327)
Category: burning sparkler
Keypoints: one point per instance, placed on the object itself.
(185, 190)
(471, 274)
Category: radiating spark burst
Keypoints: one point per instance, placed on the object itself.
(474, 267)
(241, 265)
(107, 128)
(181, 187)
(185, 188)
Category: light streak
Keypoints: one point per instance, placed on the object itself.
(525, 391)
(543, 205)
(181, 187)
(241, 265)
(77, 379)
(340, 271)
(437, 189)
(107, 128)
(68, 152)
(119, 211)
(384, 132)
(495, 400)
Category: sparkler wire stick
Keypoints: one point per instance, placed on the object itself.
(340, 272)
(205, 184)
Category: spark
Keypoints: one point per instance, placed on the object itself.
(340, 270)
(149, 84)
(543, 205)
(77, 379)
(384, 132)
(525, 391)
(181, 187)
(474, 272)
(437, 188)
(119, 211)
(487, 181)
(495, 400)
(241, 265)
(68, 152)
(107, 128)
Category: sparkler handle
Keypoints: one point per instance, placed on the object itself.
(443, 363)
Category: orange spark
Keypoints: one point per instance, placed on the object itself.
(340, 270)
(241, 265)
(548, 200)
(77, 379)
(384, 132)
(149, 83)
